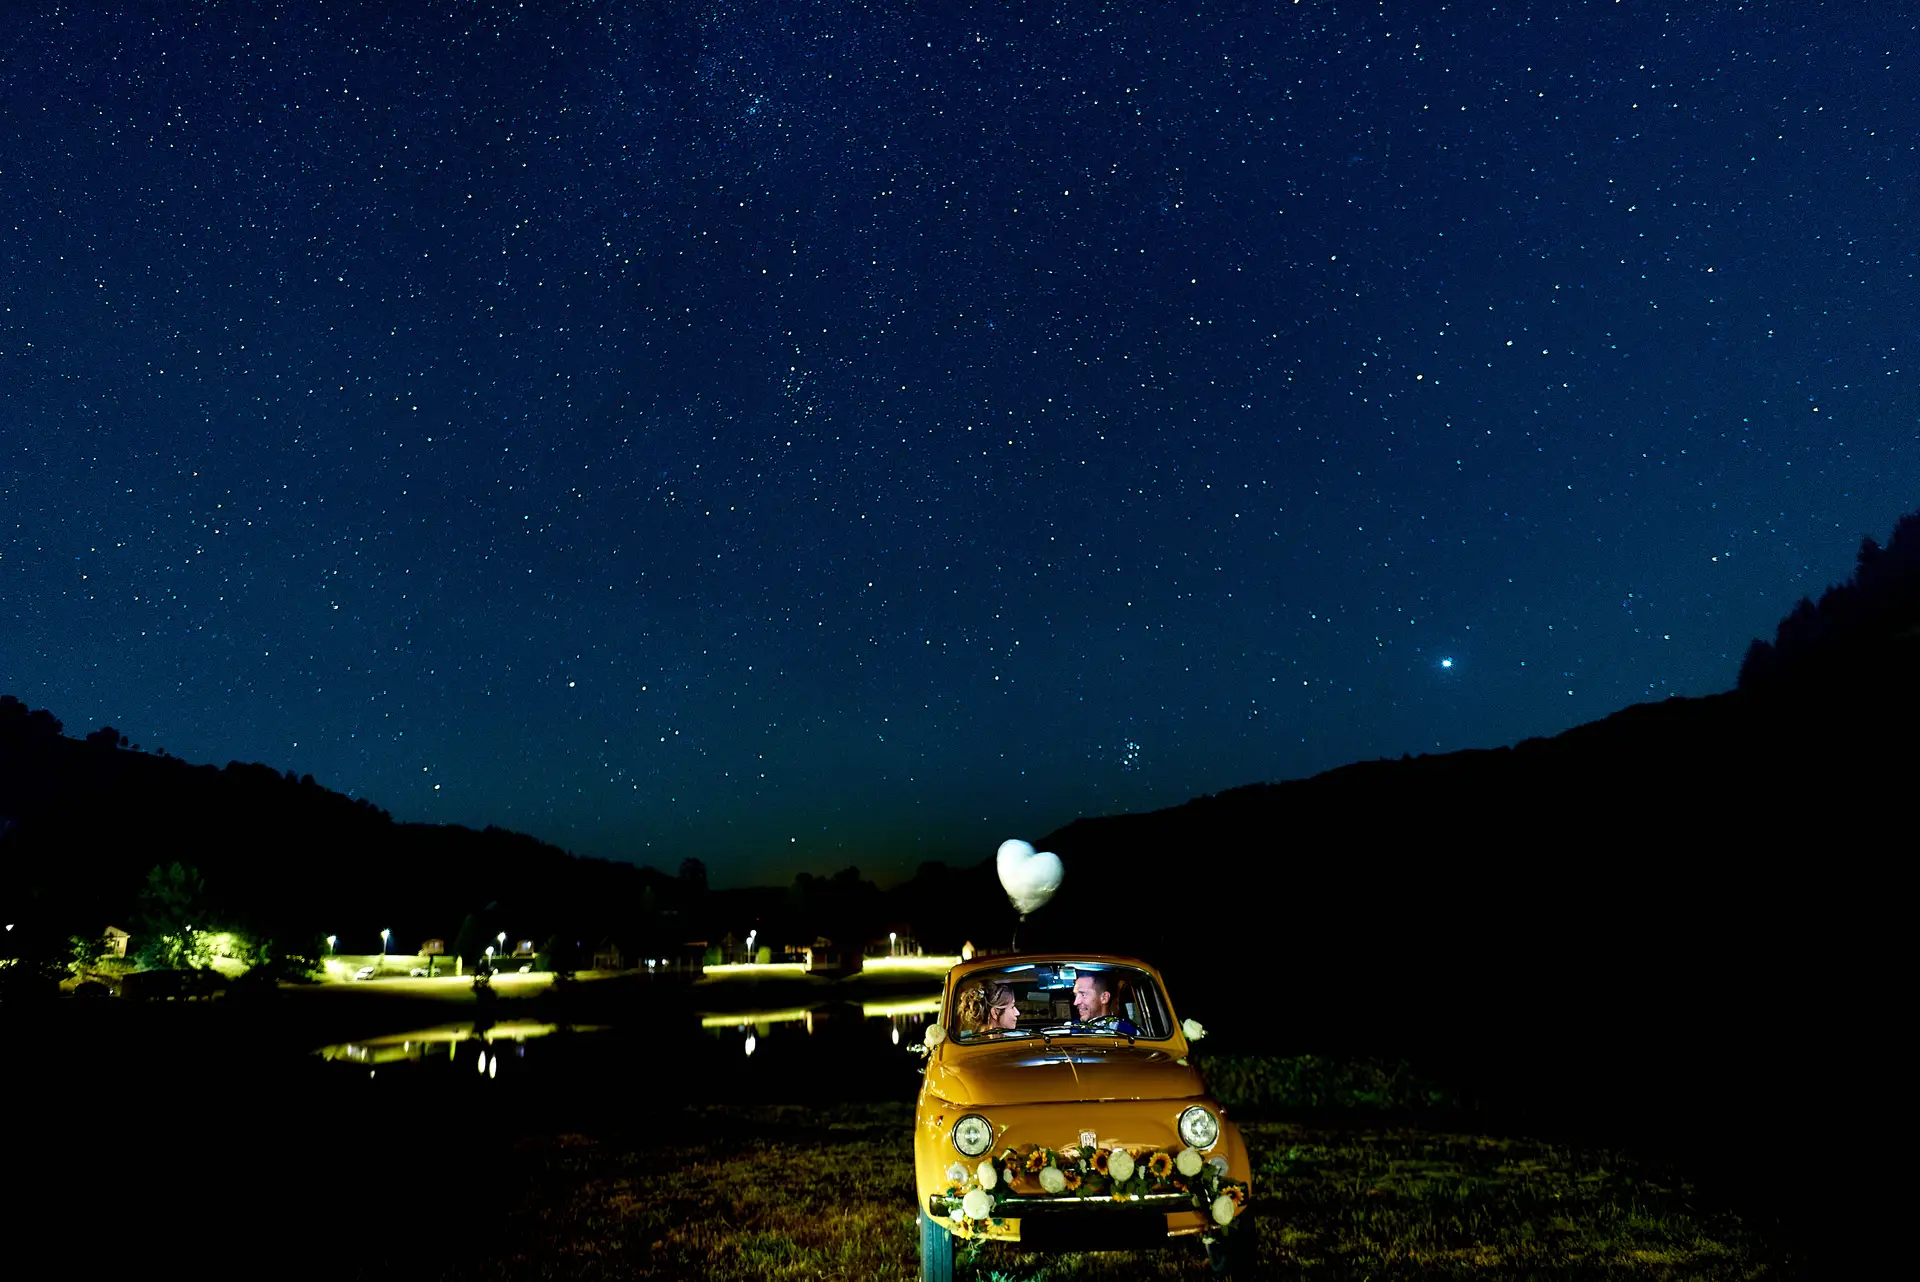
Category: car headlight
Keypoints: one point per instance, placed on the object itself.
(1199, 1127)
(973, 1135)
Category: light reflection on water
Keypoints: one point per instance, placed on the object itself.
(902, 1020)
(442, 1039)
(871, 1032)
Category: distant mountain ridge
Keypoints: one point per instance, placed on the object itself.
(1656, 833)
(82, 821)
(1660, 829)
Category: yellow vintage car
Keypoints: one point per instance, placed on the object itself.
(1059, 1111)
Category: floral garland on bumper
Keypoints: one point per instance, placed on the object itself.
(1118, 1173)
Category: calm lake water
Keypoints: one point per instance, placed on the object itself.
(847, 1049)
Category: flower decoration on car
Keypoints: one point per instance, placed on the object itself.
(1194, 1031)
(1120, 1173)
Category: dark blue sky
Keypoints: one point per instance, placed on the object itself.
(797, 434)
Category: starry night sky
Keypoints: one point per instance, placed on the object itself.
(794, 434)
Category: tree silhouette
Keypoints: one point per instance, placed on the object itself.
(107, 737)
(172, 904)
(17, 722)
(1879, 602)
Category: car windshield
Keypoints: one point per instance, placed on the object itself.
(1058, 999)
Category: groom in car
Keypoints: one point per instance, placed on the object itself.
(1095, 1000)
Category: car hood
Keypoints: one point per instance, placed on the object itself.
(1029, 1072)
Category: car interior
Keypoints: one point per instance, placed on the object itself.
(1043, 998)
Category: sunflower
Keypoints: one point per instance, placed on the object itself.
(1036, 1161)
(1239, 1195)
(1160, 1165)
(1073, 1179)
(1100, 1161)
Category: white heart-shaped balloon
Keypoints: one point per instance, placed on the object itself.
(1028, 876)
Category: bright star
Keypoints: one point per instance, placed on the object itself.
(1446, 663)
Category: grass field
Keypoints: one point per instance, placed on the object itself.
(787, 1192)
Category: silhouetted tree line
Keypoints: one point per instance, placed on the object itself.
(1621, 852)
(94, 832)
(1691, 854)
(84, 823)
(1880, 602)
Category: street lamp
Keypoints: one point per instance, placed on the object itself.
(502, 937)
(330, 939)
(384, 935)
(750, 938)
(891, 936)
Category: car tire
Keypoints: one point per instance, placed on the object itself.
(936, 1251)
(1238, 1254)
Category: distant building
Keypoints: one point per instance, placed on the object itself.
(524, 948)
(116, 941)
(433, 946)
(607, 957)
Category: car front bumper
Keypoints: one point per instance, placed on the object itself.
(942, 1207)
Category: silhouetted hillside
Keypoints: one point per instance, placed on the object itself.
(1654, 836)
(83, 821)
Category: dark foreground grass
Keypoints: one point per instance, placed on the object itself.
(779, 1192)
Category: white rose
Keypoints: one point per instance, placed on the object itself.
(1222, 1210)
(1120, 1166)
(935, 1035)
(979, 1205)
(988, 1176)
(956, 1174)
(1052, 1180)
(1193, 1028)
(1188, 1162)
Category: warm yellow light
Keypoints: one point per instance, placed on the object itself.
(754, 970)
(909, 965)
(412, 1045)
(793, 1015)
